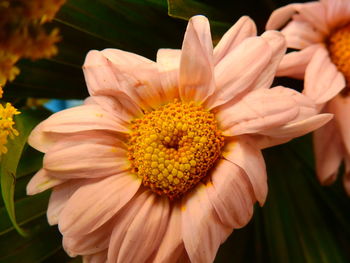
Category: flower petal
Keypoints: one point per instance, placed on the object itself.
(292, 130)
(149, 222)
(136, 249)
(100, 78)
(231, 194)
(300, 34)
(43, 141)
(94, 204)
(83, 118)
(123, 220)
(234, 78)
(42, 181)
(281, 16)
(322, 79)
(201, 227)
(278, 47)
(338, 12)
(196, 80)
(259, 110)
(294, 63)
(91, 243)
(100, 257)
(315, 14)
(171, 247)
(346, 177)
(340, 106)
(120, 104)
(242, 29)
(247, 156)
(168, 62)
(328, 152)
(138, 77)
(60, 196)
(72, 157)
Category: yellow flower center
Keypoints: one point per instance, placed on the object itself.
(339, 49)
(173, 147)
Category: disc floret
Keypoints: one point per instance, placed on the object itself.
(173, 147)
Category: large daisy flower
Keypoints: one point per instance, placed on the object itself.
(321, 31)
(163, 160)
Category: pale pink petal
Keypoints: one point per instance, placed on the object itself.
(346, 176)
(231, 194)
(196, 80)
(42, 181)
(73, 156)
(171, 246)
(138, 232)
(83, 118)
(278, 47)
(322, 79)
(99, 77)
(43, 141)
(123, 220)
(293, 129)
(242, 29)
(113, 70)
(300, 34)
(328, 152)
(100, 257)
(294, 63)
(138, 77)
(233, 78)
(247, 156)
(259, 110)
(150, 223)
(168, 62)
(120, 104)
(338, 12)
(201, 227)
(94, 204)
(340, 106)
(281, 16)
(60, 196)
(91, 243)
(315, 14)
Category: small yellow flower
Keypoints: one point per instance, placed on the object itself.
(22, 33)
(6, 125)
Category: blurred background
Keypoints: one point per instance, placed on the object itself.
(301, 220)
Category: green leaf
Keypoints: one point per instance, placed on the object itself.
(9, 162)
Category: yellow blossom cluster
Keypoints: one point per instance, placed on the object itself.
(6, 125)
(23, 35)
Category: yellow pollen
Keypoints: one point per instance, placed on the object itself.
(173, 147)
(339, 48)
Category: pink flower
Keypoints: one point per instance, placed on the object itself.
(321, 30)
(163, 160)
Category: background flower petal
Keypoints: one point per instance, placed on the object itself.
(323, 81)
(328, 152)
(294, 63)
